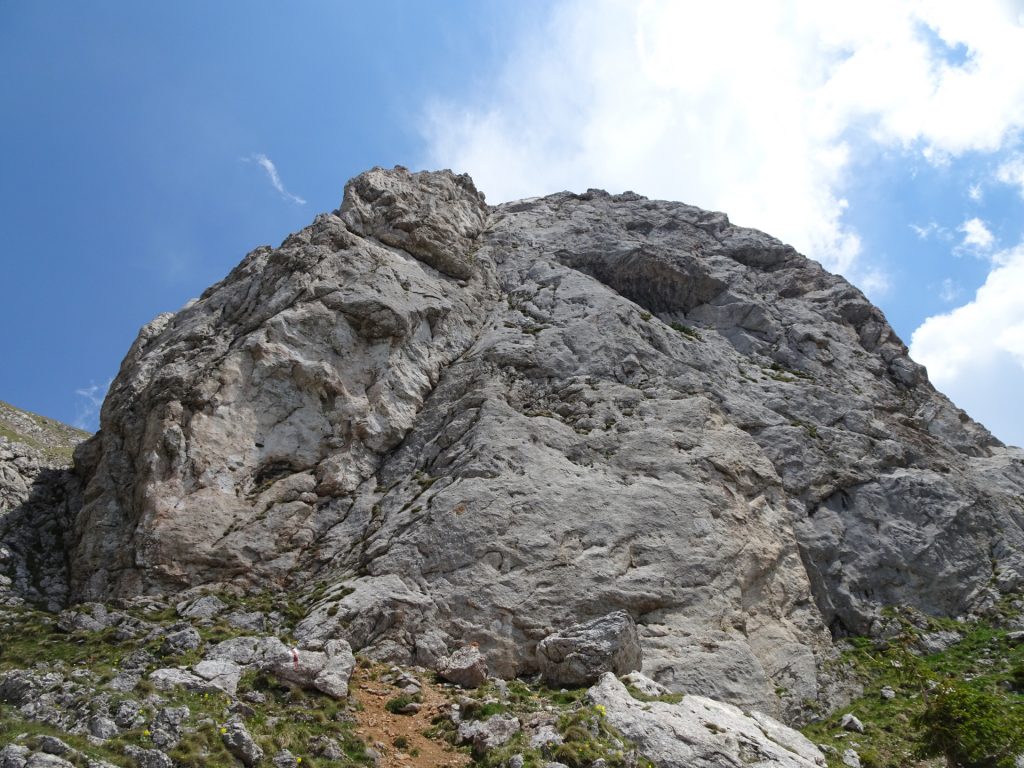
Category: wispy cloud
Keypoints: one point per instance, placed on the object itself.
(1012, 172)
(87, 407)
(949, 291)
(976, 235)
(975, 193)
(275, 178)
(931, 229)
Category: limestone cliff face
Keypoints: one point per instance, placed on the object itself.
(474, 423)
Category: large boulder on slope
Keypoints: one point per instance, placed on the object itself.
(580, 654)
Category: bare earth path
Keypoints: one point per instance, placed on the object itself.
(380, 728)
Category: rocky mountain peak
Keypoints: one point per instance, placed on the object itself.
(432, 216)
(443, 423)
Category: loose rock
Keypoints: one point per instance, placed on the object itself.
(467, 667)
(582, 653)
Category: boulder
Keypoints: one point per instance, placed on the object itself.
(327, 671)
(851, 722)
(582, 653)
(240, 743)
(467, 667)
(148, 758)
(248, 650)
(14, 756)
(701, 733)
(221, 673)
(937, 642)
(182, 641)
(205, 607)
(103, 727)
(45, 760)
(168, 678)
(487, 734)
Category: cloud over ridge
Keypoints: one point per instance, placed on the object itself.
(756, 109)
(267, 165)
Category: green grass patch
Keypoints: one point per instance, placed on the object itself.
(982, 670)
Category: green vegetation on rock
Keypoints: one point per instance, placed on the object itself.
(962, 703)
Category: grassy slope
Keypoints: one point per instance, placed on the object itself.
(55, 440)
(985, 659)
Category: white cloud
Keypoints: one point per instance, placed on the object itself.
(1012, 172)
(976, 235)
(87, 408)
(975, 192)
(275, 178)
(975, 353)
(757, 109)
(950, 290)
(931, 229)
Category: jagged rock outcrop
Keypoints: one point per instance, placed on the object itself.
(473, 424)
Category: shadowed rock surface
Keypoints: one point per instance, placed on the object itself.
(36, 489)
(475, 424)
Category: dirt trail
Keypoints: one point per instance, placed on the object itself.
(380, 728)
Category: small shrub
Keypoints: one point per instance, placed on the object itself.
(1017, 677)
(401, 702)
(479, 710)
(685, 330)
(970, 727)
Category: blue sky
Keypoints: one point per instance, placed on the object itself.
(147, 147)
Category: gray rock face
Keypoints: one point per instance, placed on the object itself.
(701, 733)
(582, 653)
(166, 726)
(485, 424)
(35, 513)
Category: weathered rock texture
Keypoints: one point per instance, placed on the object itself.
(482, 424)
(701, 733)
(580, 654)
(35, 490)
